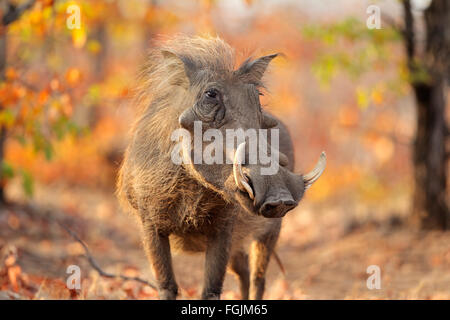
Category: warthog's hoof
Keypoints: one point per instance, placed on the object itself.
(210, 296)
(166, 294)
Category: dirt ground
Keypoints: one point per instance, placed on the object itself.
(325, 251)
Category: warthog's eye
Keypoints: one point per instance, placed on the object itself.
(209, 107)
(211, 93)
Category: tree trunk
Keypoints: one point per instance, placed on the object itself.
(430, 207)
(3, 131)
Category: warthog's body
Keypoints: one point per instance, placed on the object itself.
(198, 207)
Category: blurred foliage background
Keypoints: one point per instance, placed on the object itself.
(65, 96)
(341, 88)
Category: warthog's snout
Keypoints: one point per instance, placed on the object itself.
(277, 206)
(276, 195)
(272, 196)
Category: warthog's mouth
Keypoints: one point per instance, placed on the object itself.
(272, 202)
(245, 189)
(242, 181)
(246, 203)
(275, 208)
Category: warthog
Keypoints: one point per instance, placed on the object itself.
(212, 208)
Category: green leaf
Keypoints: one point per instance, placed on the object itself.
(48, 151)
(7, 118)
(7, 171)
(41, 143)
(362, 98)
(64, 126)
(94, 94)
(27, 183)
(325, 68)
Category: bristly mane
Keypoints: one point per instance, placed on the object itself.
(148, 178)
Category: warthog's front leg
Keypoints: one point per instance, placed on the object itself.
(157, 247)
(216, 260)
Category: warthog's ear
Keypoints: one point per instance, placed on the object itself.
(253, 71)
(188, 63)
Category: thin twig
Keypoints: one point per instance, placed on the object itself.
(47, 216)
(94, 263)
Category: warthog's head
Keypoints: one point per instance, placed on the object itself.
(221, 105)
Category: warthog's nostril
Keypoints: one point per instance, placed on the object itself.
(277, 208)
(268, 208)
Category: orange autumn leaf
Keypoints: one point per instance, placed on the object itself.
(348, 117)
(54, 84)
(73, 76)
(11, 74)
(43, 96)
(10, 260)
(124, 93)
(46, 3)
(383, 149)
(10, 94)
(13, 275)
(377, 96)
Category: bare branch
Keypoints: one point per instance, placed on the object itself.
(409, 31)
(94, 263)
(31, 209)
(14, 12)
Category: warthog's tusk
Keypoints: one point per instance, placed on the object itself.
(239, 177)
(315, 174)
